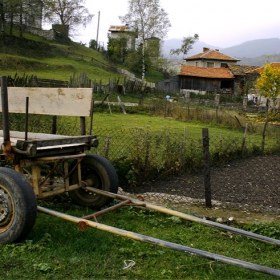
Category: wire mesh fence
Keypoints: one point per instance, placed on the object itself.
(140, 154)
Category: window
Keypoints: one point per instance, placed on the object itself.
(224, 65)
(210, 64)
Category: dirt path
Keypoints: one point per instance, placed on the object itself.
(249, 185)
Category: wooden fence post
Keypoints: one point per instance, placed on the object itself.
(207, 179)
(217, 103)
(244, 138)
(107, 147)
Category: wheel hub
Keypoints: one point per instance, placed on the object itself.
(6, 212)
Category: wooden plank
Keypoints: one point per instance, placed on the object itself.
(50, 101)
(22, 144)
(44, 140)
(34, 136)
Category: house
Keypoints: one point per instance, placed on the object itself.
(209, 71)
(242, 82)
(257, 70)
(252, 75)
(210, 59)
(120, 31)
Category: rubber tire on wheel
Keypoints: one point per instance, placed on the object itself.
(105, 177)
(18, 206)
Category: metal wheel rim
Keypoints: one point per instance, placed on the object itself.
(6, 209)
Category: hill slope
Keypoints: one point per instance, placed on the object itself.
(34, 55)
(254, 48)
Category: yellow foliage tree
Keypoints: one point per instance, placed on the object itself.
(269, 82)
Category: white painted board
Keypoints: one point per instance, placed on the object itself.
(50, 101)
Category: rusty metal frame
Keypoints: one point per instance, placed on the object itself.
(85, 222)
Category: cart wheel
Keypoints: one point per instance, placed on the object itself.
(18, 206)
(104, 176)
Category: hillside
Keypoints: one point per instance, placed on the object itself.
(254, 48)
(35, 55)
(255, 52)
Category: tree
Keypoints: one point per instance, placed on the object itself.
(66, 12)
(117, 48)
(92, 44)
(20, 12)
(2, 16)
(269, 82)
(187, 45)
(148, 20)
(134, 60)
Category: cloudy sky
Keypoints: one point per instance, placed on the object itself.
(220, 23)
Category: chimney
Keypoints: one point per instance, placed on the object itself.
(205, 49)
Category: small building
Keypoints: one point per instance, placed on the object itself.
(119, 31)
(252, 76)
(242, 82)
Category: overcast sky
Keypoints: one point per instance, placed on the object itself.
(220, 23)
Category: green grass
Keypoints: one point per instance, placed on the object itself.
(56, 249)
(143, 148)
(125, 122)
(57, 61)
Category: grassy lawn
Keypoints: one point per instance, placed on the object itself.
(126, 122)
(56, 249)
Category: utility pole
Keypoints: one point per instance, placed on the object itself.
(97, 30)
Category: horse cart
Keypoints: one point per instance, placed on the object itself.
(89, 179)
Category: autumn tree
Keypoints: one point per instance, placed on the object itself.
(269, 82)
(148, 20)
(186, 46)
(67, 13)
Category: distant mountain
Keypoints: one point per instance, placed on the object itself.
(255, 52)
(254, 48)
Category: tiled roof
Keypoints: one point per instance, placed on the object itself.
(221, 73)
(259, 69)
(239, 70)
(119, 28)
(212, 55)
